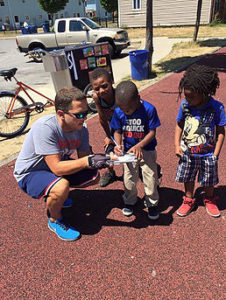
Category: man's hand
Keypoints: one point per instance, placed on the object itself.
(98, 161)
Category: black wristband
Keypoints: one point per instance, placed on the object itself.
(90, 160)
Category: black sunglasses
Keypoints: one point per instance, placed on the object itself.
(80, 115)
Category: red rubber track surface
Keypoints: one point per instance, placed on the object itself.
(118, 257)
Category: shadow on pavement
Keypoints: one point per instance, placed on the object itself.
(91, 208)
(213, 60)
(175, 64)
(213, 43)
(219, 192)
(216, 61)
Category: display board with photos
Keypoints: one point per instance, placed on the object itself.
(83, 59)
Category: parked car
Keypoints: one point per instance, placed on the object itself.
(71, 31)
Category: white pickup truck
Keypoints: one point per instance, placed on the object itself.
(71, 31)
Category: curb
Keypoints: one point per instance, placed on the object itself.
(9, 159)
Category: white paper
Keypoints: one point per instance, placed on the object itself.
(126, 158)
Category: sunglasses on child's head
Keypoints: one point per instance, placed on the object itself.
(80, 115)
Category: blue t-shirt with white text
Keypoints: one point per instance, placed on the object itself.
(136, 126)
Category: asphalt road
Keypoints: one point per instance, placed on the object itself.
(28, 71)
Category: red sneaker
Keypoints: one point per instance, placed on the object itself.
(211, 207)
(186, 207)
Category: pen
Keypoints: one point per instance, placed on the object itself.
(116, 144)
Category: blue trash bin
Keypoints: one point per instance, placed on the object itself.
(45, 27)
(32, 29)
(139, 64)
(24, 30)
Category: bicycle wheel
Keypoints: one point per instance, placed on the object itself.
(88, 91)
(12, 126)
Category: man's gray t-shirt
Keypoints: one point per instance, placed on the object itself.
(47, 137)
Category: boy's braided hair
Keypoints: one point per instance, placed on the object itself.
(200, 79)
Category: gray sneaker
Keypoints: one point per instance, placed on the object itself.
(107, 178)
(128, 210)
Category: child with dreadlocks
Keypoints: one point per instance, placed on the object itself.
(199, 136)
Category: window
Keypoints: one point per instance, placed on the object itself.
(0, 19)
(2, 3)
(136, 4)
(16, 19)
(75, 26)
(61, 15)
(40, 17)
(23, 1)
(27, 18)
(7, 19)
(56, 16)
(76, 15)
(61, 26)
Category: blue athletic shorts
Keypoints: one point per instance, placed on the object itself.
(39, 183)
(206, 167)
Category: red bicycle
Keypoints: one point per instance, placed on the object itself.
(14, 110)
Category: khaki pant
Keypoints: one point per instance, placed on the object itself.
(150, 179)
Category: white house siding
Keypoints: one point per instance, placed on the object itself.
(129, 17)
(165, 12)
(30, 8)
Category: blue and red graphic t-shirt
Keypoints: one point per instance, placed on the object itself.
(199, 136)
(136, 126)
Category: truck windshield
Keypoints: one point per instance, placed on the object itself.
(90, 23)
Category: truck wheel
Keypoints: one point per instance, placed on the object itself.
(37, 58)
(111, 51)
(118, 53)
(88, 91)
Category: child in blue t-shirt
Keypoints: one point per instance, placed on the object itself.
(199, 137)
(134, 122)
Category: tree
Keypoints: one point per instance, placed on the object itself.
(52, 6)
(198, 15)
(149, 34)
(109, 5)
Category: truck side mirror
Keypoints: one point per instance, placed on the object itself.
(85, 28)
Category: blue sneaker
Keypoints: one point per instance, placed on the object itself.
(67, 203)
(64, 231)
(153, 213)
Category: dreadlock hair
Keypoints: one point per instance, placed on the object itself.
(200, 79)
